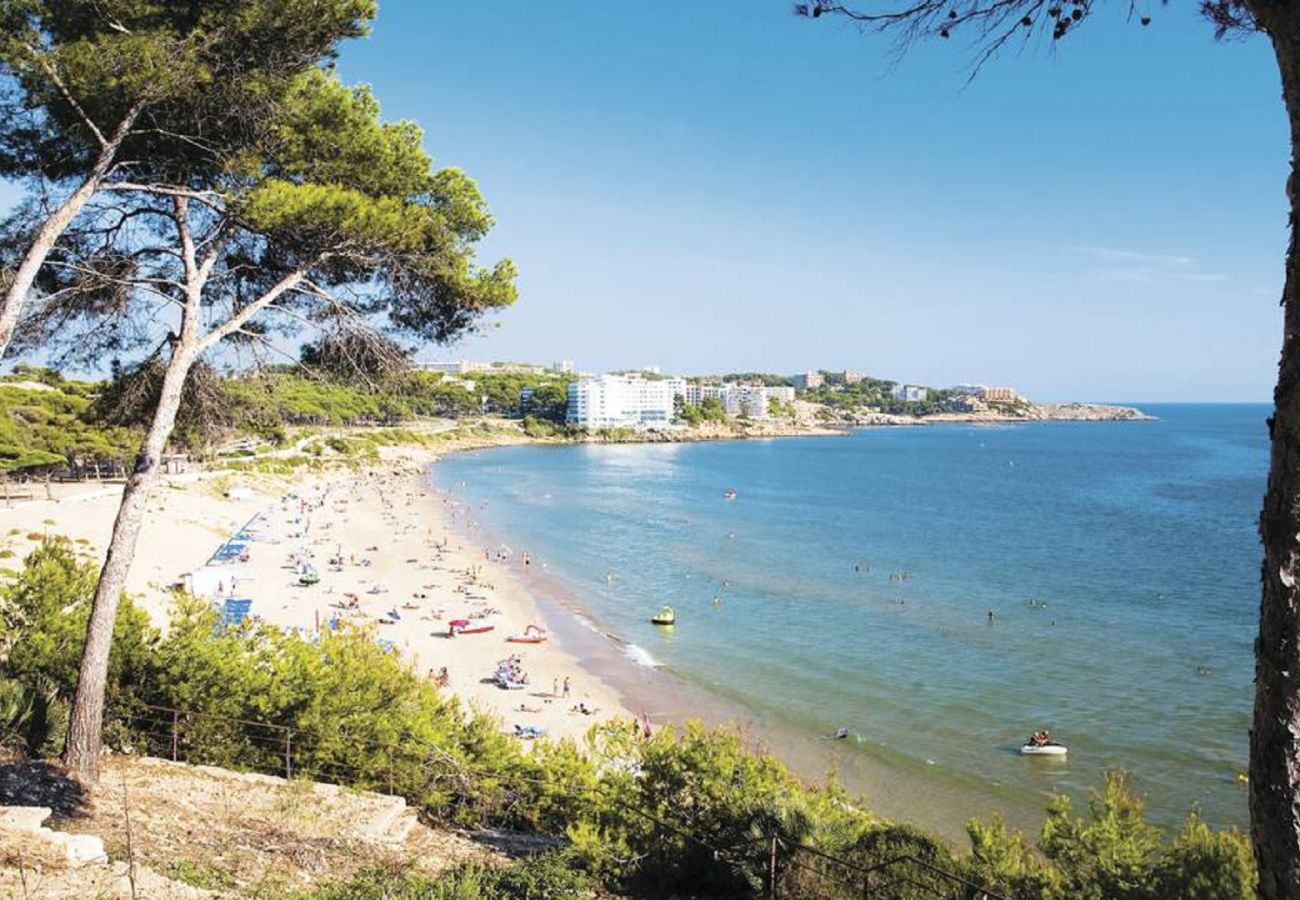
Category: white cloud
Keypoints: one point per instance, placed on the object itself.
(1131, 266)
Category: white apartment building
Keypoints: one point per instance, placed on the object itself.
(751, 400)
(622, 401)
(910, 393)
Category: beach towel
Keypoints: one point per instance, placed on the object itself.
(234, 611)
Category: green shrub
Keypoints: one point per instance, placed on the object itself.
(545, 877)
(43, 616)
(1208, 865)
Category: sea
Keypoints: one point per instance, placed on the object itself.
(940, 592)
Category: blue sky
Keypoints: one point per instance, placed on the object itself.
(716, 186)
(721, 186)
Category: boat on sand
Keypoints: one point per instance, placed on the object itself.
(465, 626)
(533, 634)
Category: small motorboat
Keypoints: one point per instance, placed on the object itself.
(730, 494)
(665, 616)
(533, 634)
(1052, 749)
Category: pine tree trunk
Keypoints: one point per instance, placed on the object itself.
(52, 229)
(1275, 735)
(85, 728)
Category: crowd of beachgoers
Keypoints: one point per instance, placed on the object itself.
(377, 549)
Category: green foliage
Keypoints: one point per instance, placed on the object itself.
(541, 428)
(502, 392)
(43, 614)
(710, 409)
(202, 70)
(129, 400)
(1208, 865)
(1004, 860)
(15, 713)
(1113, 852)
(668, 802)
(545, 877)
(1108, 854)
(764, 378)
(45, 427)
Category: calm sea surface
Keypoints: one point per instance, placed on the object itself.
(1134, 540)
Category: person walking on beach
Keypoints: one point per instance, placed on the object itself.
(566, 687)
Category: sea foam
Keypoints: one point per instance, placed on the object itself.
(641, 656)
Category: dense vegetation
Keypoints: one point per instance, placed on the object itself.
(48, 421)
(688, 812)
(55, 424)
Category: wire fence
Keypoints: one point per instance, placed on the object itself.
(418, 771)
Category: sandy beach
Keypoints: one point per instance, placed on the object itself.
(392, 555)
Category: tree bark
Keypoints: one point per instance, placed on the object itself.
(1275, 734)
(86, 725)
(52, 229)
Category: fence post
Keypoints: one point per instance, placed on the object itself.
(176, 718)
(288, 753)
(771, 871)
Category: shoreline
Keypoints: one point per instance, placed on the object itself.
(891, 786)
(381, 544)
(188, 519)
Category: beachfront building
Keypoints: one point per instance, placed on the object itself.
(968, 390)
(808, 380)
(852, 377)
(910, 393)
(753, 401)
(564, 366)
(622, 401)
(999, 395)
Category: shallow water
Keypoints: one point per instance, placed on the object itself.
(1136, 540)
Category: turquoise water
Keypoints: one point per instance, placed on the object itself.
(1139, 538)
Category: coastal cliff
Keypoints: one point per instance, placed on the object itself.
(1024, 412)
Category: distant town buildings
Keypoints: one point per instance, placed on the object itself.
(985, 393)
(753, 401)
(910, 393)
(564, 366)
(808, 380)
(852, 377)
(999, 395)
(467, 367)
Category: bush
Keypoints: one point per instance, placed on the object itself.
(546, 877)
(1206, 864)
(43, 616)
